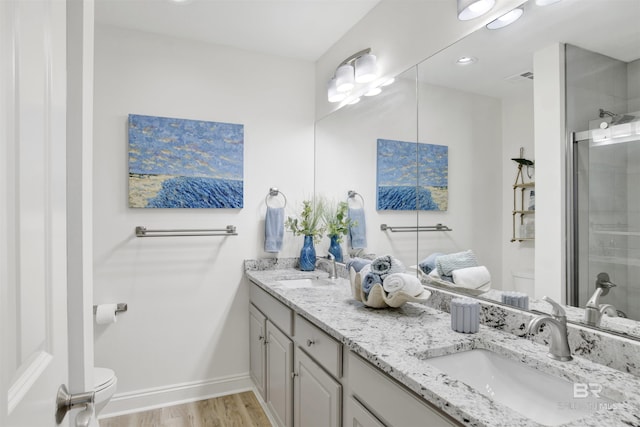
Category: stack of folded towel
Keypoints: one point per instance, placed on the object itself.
(460, 268)
(389, 272)
(402, 282)
(357, 263)
(386, 265)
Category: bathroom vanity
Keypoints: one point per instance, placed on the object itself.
(318, 357)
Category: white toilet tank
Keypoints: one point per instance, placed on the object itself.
(523, 281)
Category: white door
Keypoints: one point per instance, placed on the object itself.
(33, 297)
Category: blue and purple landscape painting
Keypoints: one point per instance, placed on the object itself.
(412, 176)
(178, 163)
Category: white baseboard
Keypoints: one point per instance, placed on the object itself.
(158, 397)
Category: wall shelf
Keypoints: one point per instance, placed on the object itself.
(519, 212)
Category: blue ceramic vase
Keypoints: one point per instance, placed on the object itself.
(335, 249)
(308, 255)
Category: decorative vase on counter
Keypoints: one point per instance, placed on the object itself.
(308, 255)
(335, 249)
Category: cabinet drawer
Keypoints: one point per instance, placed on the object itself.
(279, 314)
(320, 346)
(388, 401)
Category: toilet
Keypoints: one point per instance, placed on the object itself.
(105, 381)
(523, 281)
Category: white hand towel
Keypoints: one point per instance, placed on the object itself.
(472, 277)
(402, 282)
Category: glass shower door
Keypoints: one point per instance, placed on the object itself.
(607, 216)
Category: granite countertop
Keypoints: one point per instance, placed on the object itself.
(398, 341)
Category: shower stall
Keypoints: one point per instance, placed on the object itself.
(606, 212)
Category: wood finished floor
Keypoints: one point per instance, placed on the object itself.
(236, 410)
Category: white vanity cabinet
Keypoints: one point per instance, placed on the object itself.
(317, 398)
(279, 382)
(375, 399)
(257, 349)
(318, 368)
(358, 416)
(271, 353)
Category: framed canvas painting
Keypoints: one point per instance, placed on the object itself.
(179, 163)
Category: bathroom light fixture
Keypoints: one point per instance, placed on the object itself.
(466, 60)
(506, 19)
(373, 91)
(345, 78)
(388, 82)
(332, 92)
(366, 68)
(359, 68)
(469, 9)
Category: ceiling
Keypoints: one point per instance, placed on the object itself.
(608, 27)
(301, 29)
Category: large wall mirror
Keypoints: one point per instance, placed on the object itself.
(483, 112)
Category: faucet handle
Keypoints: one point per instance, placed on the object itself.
(558, 310)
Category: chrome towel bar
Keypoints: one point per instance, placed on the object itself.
(412, 228)
(230, 230)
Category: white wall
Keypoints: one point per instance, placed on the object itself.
(471, 126)
(633, 85)
(550, 139)
(186, 331)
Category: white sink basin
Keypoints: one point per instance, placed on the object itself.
(539, 396)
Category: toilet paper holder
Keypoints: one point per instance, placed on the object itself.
(121, 307)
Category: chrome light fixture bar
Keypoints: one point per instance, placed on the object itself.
(470, 9)
(359, 68)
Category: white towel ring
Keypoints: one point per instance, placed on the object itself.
(352, 195)
(273, 192)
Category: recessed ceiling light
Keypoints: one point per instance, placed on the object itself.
(466, 60)
(506, 19)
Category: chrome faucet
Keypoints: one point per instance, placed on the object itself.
(593, 311)
(331, 261)
(557, 323)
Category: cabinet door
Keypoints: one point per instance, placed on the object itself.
(279, 381)
(257, 350)
(358, 416)
(317, 396)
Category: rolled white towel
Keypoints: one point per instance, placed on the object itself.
(472, 277)
(402, 282)
(365, 270)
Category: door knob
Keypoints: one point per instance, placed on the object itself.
(66, 401)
